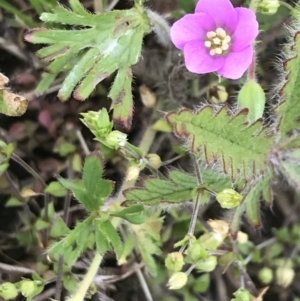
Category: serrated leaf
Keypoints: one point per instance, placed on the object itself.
(104, 44)
(111, 234)
(262, 186)
(234, 225)
(74, 243)
(92, 172)
(56, 189)
(176, 189)
(134, 214)
(217, 135)
(148, 259)
(290, 166)
(102, 242)
(59, 228)
(289, 115)
(80, 194)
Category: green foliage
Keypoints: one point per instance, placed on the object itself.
(94, 189)
(107, 43)
(289, 116)
(56, 189)
(6, 151)
(216, 135)
(176, 189)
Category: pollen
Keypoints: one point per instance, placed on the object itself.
(218, 42)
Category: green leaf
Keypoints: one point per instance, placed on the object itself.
(41, 224)
(12, 202)
(262, 186)
(217, 135)
(97, 46)
(59, 228)
(148, 259)
(102, 241)
(74, 243)
(290, 166)
(176, 189)
(56, 189)
(134, 214)
(111, 234)
(288, 115)
(80, 194)
(92, 172)
(235, 221)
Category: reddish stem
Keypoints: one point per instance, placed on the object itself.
(251, 69)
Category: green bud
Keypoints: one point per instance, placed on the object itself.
(268, 7)
(253, 97)
(116, 139)
(98, 122)
(229, 198)
(8, 291)
(265, 275)
(207, 264)
(285, 275)
(196, 251)
(27, 287)
(242, 295)
(211, 240)
(177, 281)
(154, 159)
(174, 262)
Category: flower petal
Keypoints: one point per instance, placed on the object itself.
(198, 60)
(221, 11)
(236, 63)
(191, 27)
(246, 30)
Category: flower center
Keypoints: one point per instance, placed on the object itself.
(218, 41)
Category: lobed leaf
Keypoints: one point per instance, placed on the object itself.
(288, 116)
(242, 149)
(176, 189)
(103, 43)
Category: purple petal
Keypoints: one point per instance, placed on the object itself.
(236, 63)
(191, 27)
(246, 30)
(198, 60)
(221, 11)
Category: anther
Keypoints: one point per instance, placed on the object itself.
(207, 44)
(218, 50)
(212, 52)
(211, 34)
(217, 41)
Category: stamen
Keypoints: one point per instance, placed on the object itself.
(207, 44)
(212, 52)
(211, 34)
(217, 41)
(218, 50)
(225, 47)
(221, 32)
(227, 39)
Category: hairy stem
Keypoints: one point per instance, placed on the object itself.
(88, 278)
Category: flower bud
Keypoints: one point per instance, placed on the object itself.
(268, 7)
(116, 139)
(195, 252)
(229, 198)
(27, 287)
(265, 275)
(8, 291)
(98, 122)
(242, 295)
(174, 262)
(154, 159)
(207, 264)
(253, 97)
(284, 275)
(132, 173)
(211, 240)
(177, 281)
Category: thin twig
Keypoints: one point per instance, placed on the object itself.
(82, 142)
(15, 269)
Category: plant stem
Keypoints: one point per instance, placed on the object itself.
(251, 69)
(197, 202)
(88, 278)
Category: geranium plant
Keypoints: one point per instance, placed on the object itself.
(236, 152)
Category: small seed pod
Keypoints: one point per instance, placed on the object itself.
(177, 281)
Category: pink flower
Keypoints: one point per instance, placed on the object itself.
(216, 38)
